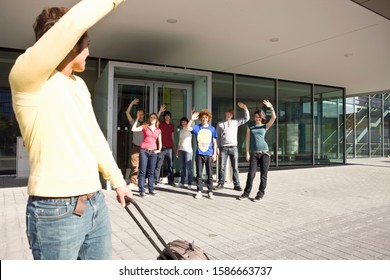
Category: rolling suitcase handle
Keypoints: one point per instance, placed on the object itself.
(132, 201)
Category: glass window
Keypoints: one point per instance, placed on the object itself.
(328, 125)
(376, 125)
(361, 111)
(222, 96)
(9, 128)
(350, 127)
(295, 124)
(386, 124)
(252, 91)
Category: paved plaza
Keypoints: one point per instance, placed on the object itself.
(318, 213)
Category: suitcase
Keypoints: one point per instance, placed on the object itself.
(175, 250)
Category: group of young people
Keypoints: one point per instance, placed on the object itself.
(159, 145)
(66, 213)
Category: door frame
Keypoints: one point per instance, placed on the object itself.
(153, 101)
(186, 86)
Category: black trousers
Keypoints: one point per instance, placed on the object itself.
(207, 162)
(263, 161)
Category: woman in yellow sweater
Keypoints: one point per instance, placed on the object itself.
(66, 214)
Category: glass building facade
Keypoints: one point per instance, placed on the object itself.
(310, 126)
(367, 125)
(315, 124)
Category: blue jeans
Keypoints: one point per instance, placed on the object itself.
(166, 153)
(207, 162)
(185, 166)
(55, 233)
(232, 153)
(263, 161)
(147, 165)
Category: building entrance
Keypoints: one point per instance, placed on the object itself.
(119, 83)
(177, 98)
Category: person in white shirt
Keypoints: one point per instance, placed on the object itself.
(227, 145)
(185, 153)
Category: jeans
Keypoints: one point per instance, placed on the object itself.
(55, 233)
(147, 165)
(185, 166)
(206, 161)
(232, 153)
(165, 153)
(263, 160)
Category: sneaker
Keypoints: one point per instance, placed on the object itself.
(180, 185)
(189, 187)
(219, 186)
(153, 193)
(211, 196)
(257, 198)
(198, 195)
(243, 197)
(172, 184)
(143, 195)
(237, 188)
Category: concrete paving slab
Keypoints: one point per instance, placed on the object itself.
(318, 213)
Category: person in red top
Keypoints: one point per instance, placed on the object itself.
(168, 148)
(148, 153)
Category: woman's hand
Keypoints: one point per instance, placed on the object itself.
(267, 103)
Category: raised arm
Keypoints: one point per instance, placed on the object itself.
(134, 102)
(273, 114)
(163, 107)
(35, 66)
(246, 118)
(194, 117)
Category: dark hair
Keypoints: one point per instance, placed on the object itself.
(183, 119)
(167, 113)
(259, 112)
(46, 20)
(141, 110)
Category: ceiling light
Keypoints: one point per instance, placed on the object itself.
(171, 20)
